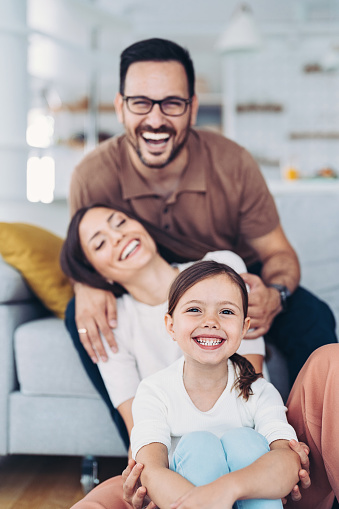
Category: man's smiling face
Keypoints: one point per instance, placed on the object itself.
(157, 139)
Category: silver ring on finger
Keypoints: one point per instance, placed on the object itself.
(82, 330)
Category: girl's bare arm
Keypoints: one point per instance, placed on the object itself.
(163, 485)
(272, 476)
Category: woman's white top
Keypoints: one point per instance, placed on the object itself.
(163, 411)
(144, 344)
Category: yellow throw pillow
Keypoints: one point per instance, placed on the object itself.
(35, 252)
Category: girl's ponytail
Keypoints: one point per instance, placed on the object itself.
(246, 375)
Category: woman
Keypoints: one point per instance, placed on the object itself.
(108, 249)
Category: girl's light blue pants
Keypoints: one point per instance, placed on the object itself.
(202, 457)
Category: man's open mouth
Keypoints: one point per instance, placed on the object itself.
(155, 138)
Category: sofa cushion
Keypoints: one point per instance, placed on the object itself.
(35, 253)
(311, 223)
(12, 288)
(47, 362)
(71, 426)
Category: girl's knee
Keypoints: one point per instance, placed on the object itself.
(200, 446)
(242, 446)
(243, 434)
(199, 457)
(197, 440)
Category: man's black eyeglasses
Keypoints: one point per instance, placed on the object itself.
(170, 106)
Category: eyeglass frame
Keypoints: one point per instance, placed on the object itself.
(153, 101)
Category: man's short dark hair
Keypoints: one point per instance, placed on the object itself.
(156, 50)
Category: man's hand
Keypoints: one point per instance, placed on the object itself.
(304, 473)
(263, 305)
(134, 493)
(95, 310)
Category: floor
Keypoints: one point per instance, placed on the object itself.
(47, 482)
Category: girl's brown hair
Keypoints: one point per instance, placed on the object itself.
(198, 272)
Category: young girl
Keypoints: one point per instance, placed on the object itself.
(203, 426)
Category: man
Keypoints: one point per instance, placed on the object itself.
(194, 185)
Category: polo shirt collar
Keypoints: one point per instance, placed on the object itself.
(134, 185)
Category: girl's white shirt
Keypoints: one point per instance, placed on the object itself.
(144, 344)
(163, 411)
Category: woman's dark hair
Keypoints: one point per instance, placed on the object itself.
(76, 266)
(204, 270)
(156, 50)
(74, 262)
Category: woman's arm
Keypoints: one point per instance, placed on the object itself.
(163, 485)
(125, 410)
(272, 476)
(120, 373)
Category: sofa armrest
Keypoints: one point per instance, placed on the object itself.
(13, 286)
(17, 305)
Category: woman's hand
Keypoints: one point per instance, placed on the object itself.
(95, 312)
(134, 493)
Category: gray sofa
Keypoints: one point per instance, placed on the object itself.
(47, 404)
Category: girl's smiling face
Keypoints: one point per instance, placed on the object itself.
(114, 244)
(208, 322)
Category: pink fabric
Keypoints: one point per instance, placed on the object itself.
(108, 495)
(313, 411)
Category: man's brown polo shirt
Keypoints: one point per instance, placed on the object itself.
(221, 200)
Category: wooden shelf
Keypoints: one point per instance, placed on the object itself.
(311, 185)
(314, 135)
(210, 99)
(82, 106)
(259, 108)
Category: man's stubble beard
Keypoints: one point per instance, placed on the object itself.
(174, 153)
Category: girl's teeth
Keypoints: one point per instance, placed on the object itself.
(209, 342)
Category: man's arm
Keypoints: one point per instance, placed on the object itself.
(280, 261)
(256, 360)
(280, 265)
(271, 476)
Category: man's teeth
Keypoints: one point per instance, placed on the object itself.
(129, 249)
(209, 342)
(155, 136)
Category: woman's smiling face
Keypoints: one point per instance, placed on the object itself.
(115, 245)
(208, 322)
